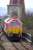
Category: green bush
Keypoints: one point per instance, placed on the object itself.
(27, 21)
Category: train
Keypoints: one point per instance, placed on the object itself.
(13, 27)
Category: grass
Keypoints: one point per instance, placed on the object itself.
(27, 21)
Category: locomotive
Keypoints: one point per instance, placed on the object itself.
(13, 27)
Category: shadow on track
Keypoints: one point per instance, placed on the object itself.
(1, 47)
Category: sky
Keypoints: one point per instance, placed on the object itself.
(3, 6)
(28, 5)
(3, 3)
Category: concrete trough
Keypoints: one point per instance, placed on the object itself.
(27, 37)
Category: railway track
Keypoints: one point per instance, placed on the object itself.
(18, 46)
(15, 45)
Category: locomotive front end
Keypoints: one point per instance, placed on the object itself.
(13, 27)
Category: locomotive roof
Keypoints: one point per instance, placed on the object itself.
(8, 20)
